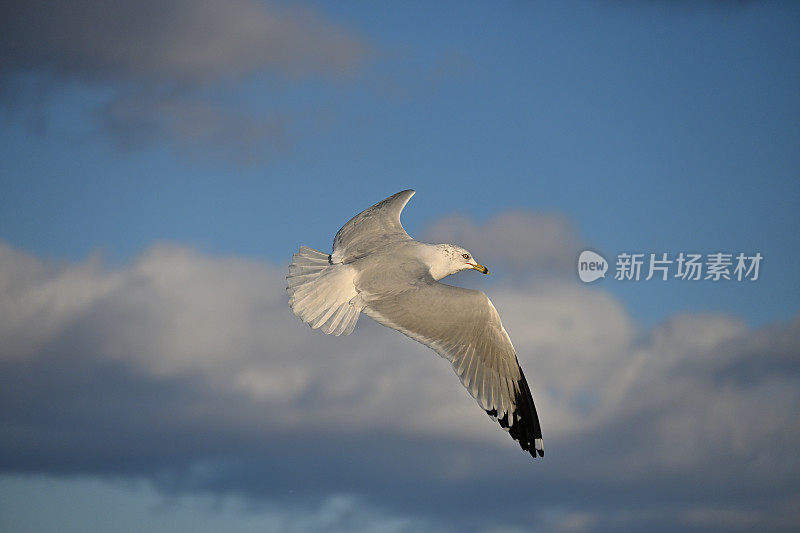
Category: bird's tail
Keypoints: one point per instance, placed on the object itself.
(322, 293)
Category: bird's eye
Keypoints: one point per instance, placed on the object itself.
(465, 256)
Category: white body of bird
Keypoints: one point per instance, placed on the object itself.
(378, 269)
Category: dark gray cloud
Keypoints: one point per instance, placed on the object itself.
(180, 41)
(160, 58)
(190, 371)
(190, 123)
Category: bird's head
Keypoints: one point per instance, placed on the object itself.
(454, 259)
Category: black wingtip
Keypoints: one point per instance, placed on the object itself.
(525, 428)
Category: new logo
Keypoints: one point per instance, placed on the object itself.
(591, 266)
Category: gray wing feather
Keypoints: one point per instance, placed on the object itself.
(463, 326)
(373, 228)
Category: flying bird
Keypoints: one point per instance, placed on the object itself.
(378, 269)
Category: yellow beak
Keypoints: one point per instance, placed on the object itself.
(479, 268)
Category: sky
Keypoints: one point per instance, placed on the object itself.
(160, 162)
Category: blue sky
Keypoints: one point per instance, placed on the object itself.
(143, 141)
(664, 128)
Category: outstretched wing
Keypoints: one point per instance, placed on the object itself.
(463, 326)
(373, 228)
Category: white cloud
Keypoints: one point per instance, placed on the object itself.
(524, 243)
(72, 504)
(212, 341)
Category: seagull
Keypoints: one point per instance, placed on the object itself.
(378, 269)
